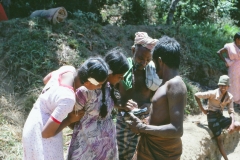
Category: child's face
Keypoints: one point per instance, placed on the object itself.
(223, 88)
(113, 79)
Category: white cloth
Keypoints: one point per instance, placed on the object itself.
(152, 79)
(55, 101)
(143, 39)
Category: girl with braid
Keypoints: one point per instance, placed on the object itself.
(94, 136)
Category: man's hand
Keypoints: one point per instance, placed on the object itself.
(231, 128)
(130, 105)
(204, 111)
(134, 123)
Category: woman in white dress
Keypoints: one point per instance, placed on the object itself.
(42, 137)
(94, 137)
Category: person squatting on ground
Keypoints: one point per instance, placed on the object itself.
(94, 136)
(42, 137)
(217, 100)
(161, 138)
(233, 63)
(136, 90)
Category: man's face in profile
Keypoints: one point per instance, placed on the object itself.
(141, 57)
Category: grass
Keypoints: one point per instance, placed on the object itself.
(11, 122)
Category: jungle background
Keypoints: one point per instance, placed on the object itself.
(31, 48)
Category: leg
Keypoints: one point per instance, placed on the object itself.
(236, 126)
(220, 146)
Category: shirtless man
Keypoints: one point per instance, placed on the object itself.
(161, 138)
(136, 90)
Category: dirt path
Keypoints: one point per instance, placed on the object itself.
(235, 155)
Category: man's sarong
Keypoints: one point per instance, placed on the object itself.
(217, 122)
(126, 139)
(156, 148)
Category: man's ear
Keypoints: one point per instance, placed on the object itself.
(133, 50)
(159, 60)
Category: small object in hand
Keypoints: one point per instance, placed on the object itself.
(129, 121)
(137, 111)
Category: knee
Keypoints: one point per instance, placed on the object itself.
(219, 139)
(237, 126)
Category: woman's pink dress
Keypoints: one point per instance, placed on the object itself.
(55, 102)
(234, 70)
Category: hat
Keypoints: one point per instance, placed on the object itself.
(224, 80)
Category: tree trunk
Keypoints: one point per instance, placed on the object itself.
(171, 11)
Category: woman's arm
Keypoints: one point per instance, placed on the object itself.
(47, 78)
(53, 127)
(231, 127)
(221, 52)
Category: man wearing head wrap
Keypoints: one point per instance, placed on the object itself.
(136, 89)
(161, 138)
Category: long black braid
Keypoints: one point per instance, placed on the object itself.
(103, 109)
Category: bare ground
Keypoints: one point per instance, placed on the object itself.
(197, 142)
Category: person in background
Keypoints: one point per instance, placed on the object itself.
(232, 61)
(136, 90)
(42, 137)
(3, 16)
(217, 100)
(161, 138)
(94, 136)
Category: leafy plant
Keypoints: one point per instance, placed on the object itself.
(192, 106)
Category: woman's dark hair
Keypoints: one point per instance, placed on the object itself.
(236, 36)
(117, 61)
(118, 64)
(169, 50)
(94, 67)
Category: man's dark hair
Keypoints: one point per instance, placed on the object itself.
(94, 67)
(168, 49)
(236, 36)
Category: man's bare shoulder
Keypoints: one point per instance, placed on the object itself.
(177, 84)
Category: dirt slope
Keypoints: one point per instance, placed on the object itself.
(197, 142)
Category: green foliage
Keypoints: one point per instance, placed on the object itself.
(205, 40)
(73, 43)
(86, 16)
(27, 60)
(30, 100)
(192, 106)
(135, 11)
